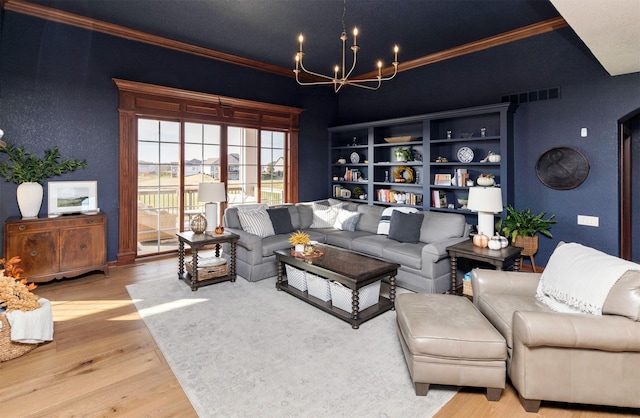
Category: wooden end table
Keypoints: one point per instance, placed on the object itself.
(196, 242)
(501, 259)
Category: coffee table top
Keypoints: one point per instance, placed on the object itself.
(357, 267)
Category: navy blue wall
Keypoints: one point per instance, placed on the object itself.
(56, 89)
(589, 98)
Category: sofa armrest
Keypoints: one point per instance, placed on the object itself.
(436, 251)
(555, 329)
(249, 241)
(503, 282)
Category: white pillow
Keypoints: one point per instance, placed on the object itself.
(256, 222)
(385, 219)
(346, 220)
(324, 216)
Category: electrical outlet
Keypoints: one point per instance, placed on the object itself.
(588, 220)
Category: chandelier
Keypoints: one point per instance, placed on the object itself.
(339, 81)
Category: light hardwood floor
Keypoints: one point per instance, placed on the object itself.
(104, 362)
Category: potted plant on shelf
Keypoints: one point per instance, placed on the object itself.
(521, 228)
(403, 154)
(29, 172)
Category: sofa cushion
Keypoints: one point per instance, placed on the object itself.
(624, 297)
(499, 309)
(344, 239)
(231, 218)
(370, 218)
(370, 244)
(305, 214)
(324, 216)
(346, 220)
(404, 253)
(281, 220)
(439, 226)
(273, 243)
(385, 219)
(256, 222)
(405, 227)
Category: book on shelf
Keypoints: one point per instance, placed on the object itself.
(461, 176)
(337, 190)
(439, 199)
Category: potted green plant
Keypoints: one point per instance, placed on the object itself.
(357, 192)
(403, 154)
(29, 171)
(521, 228)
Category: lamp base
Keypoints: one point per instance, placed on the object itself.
(211, 213)
(485, 224)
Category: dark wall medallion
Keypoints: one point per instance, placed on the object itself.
(562, 168)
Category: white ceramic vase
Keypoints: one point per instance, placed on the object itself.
(29, 197)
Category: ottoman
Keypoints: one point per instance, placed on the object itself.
(447, 341)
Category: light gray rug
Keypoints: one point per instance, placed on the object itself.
(245, 350)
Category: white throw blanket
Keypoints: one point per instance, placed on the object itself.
(32, 327)
(578, 279)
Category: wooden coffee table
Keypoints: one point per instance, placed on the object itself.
(350, 269)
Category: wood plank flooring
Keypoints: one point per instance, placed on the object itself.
(104, 362)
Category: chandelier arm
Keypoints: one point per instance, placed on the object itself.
(315, 74)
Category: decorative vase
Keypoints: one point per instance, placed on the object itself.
(199, 223)
(29, 197)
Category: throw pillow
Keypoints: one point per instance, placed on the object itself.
(383, 225)
(405, 227)
(256, 222)
(281, 220)
(346, 220)
(324, 216)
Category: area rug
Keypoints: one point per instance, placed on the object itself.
(245, 350)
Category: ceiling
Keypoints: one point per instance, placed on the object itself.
(266, 30)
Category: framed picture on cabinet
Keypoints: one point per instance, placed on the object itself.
(442, 180)
(69, 197)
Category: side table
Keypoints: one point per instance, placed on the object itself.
(501, 259)
(196, 242)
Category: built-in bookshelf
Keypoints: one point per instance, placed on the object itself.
(441, 152)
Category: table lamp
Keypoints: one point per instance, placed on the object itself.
(211, 194)
(486, 201)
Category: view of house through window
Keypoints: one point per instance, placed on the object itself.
(168, 184)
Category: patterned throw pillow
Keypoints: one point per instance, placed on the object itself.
(324, 216)
(346, 220)
(385, 219)
(256, 222)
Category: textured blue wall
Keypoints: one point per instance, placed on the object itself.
(589, 98)
(57, 89)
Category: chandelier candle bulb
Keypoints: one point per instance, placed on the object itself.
(355, 34)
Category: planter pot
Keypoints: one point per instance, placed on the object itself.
(530, 247)
(29, 197)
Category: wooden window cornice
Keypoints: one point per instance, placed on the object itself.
(140, 99)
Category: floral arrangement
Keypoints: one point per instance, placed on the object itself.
(299, 238)
(15, 293)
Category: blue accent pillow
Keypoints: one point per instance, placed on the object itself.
(281, 220)
(405, 227)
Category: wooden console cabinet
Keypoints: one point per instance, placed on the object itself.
(53, 248)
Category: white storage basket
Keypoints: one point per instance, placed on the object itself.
(318, 287)
(368, 296)
(296, 278)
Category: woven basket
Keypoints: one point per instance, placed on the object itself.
(208, 272)
(296, 278)
(342, 296)
(9, 349)
(467, 290)
(318, 287)
(529, 244)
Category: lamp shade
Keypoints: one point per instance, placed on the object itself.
(212, 192)
(485, 199)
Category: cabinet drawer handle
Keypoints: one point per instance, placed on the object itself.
(92, 221)
(83, 246)
(33, 253)
(22, 227)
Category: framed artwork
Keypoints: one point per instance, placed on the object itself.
(67, 197)
(442, 180)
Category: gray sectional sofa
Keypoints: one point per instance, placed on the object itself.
(424, 264)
